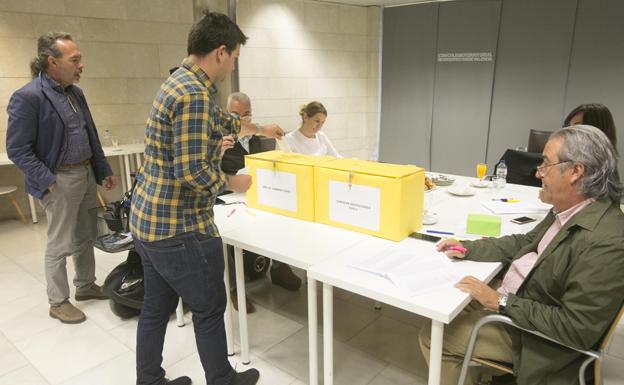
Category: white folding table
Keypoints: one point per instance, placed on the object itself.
(295, 242)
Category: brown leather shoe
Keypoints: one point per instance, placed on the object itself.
(248, 304)
(93, 292)
(67, 313)
(283, 276)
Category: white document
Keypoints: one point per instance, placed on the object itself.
(356, 205)
(242, 171)
(413, 271)
(522, 207)
(277, 189)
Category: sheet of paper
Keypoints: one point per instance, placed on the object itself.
(242, 171)
(356, 205)
(522, 207)
(277, 189)
(232, 198)
(413, 271)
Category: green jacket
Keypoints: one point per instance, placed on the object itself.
(573, 293)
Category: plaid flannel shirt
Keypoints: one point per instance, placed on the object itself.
(181, 176)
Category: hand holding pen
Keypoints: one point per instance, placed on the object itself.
(452, 248)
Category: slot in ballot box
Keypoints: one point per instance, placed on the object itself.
(283, 183)
(380, 199)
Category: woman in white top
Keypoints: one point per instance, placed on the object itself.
(309, 139)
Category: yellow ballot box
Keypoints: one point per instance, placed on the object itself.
(384, 200)
(283, 182)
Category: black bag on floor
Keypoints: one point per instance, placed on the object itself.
(124, 286)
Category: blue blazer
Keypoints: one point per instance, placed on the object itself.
(36, 136)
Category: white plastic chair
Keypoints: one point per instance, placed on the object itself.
(8, 191)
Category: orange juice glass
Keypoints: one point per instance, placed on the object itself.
(481, 170)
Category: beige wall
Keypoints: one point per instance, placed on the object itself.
(300, 51)
(127, 47)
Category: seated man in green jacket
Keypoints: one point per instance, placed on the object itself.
(564, 278)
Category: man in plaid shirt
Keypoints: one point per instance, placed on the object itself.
(172, 205)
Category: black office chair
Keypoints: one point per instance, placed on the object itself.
(537, 140)
(521, 167)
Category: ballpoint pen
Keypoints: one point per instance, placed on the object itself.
(230, 213)
(439, 232)
(508, 200)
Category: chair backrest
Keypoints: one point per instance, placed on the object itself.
(537, 140)
(521, 167)
(267, 144)
(611, 330)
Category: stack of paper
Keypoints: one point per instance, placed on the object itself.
(521, 207)
(415, 272)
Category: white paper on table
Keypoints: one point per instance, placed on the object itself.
(413, 271)
(277, 189)
(233, 198)
(355, 205)
(522, 207)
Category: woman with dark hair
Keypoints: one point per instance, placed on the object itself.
(309, 139)
(593, 114)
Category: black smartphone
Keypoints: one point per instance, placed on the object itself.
(523, 220)
(425, 237)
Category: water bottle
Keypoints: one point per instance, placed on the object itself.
(106, 140)
(501, 175)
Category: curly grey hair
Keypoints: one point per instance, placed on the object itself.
(46, 47)
(590, 147)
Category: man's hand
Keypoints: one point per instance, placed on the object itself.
(486, 296)
(452, 248)
(226, 144)
(52, 187)
(271, 131)
(238, 183)
(110, 182)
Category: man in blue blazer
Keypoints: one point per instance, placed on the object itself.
(52, 138)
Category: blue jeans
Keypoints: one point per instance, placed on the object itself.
(190, 266)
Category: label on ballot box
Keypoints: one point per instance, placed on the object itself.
(277, 189)
(384, 200)
(283, 182)
(356, 205)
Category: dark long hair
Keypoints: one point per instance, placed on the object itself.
(597, 115)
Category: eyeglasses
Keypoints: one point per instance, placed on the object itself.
(541, 167)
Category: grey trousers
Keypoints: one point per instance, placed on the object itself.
(71, 231)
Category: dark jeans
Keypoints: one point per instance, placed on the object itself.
(190, 266)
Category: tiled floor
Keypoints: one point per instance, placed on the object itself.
(375, 347)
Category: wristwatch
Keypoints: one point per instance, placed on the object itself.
(502, 302)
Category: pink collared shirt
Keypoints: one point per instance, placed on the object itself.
(522, 266)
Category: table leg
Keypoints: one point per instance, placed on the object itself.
(180, 313)
(328, 334)
(227, 316)
(126, 161)
(33, 209)
(122, 177)
(242, 308)
(312, 331)
(435, 354)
